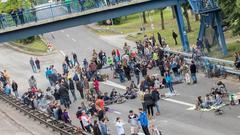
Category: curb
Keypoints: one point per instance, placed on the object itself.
(10, 45)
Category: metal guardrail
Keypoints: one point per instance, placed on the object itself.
(226, 64)
(42, 117)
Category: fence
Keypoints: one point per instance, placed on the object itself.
(43, 118)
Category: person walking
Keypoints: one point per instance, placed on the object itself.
(143, 120)
(37, 63)
(72, 88)
(32, 63)
(193, 70)
(174, 35)
(133, 121)
(168, 80)
(15, 88)
(119, 125)
(110, 62)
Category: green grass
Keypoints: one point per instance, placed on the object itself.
(232, 47)
(36, 46)
(131, 28)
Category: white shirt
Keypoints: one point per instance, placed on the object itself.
(120, 129)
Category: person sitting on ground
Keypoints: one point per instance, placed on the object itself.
(208, 102)
(133, 86)
(130, 93)
(199, 104)
(219, 100)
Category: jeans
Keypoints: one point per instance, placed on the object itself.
(34, 68)
(170, 86)
(16, 93)
(121, 77)
(157, 104)
(138, 78)
(194, 77)
(145, 130)
(74, 95)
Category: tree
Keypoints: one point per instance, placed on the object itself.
(144, 17)
(186, 15)
(231, 9)
(173, 12)
(162, 18)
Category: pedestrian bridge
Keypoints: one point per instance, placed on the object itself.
(57, 16)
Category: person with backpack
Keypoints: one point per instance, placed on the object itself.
(133, 121)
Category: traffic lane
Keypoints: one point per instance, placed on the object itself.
(202, 121)
(18, 66)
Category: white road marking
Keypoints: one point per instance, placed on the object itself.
(110, 83)
(74, 40)
(239, 116)
(68, 35)
(117, 112)
(62, 53)
(62, 31)
(191, 106)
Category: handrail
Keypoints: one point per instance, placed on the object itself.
(226, 64)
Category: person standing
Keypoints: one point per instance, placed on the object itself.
(80, 86)
(65, 116)
(174, 35)
(64, 95)
(119, 125)
(15, 88)
(96, 86)
(127, 71)
(14, 17)
(156, 99)
(86, 121)
(103, 126)
(159, 39)
(96, 130)
(148, 103)
(20, 15)
(143, 120)
(168, 80)
(37, 62)
(32, 82)
(72, 89)
(133, 121)
(32, 63)
(75, 59)
(137, 72)
(193, 70)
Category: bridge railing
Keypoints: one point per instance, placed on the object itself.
(227, 65)
(50, 11)
(199, 6)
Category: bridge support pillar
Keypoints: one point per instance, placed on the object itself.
(181, 27)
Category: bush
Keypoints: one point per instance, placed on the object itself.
(27, 40)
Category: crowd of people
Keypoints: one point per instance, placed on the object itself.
(132, 65)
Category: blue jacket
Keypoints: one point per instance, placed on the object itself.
(143, 119)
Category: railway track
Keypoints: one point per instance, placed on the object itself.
(42, 117)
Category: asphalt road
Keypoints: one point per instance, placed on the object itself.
(175, 118)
